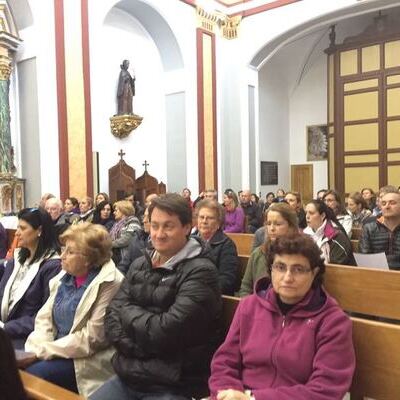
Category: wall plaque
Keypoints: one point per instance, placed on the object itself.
(269, 173)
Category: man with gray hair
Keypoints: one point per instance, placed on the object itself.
(383, 234)
(60, 220)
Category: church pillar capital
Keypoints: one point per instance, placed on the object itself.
(5, 67)
(206, 20)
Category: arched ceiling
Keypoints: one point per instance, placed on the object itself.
(21, 12)
(318, 24)
(158, 29)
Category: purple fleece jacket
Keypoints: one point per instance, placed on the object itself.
(234, 220)
(307, 354)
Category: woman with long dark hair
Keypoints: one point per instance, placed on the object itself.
(103, 215)
(327, 232)
(24, 287)
(334, 201)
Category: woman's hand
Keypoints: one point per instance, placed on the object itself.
(231, 394)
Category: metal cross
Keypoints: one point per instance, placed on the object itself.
(121, 154)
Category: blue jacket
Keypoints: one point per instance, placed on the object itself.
(20, 320)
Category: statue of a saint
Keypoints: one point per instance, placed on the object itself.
(126, 90)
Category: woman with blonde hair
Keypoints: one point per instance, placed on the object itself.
(280, 220)
(124, 228)
(69, 339)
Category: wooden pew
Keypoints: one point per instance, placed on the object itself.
(356, 233)
(367, 291)
(373, 295)
(39, 389)
(243, 242)
(10, 237)
(243, 264)
(229, 305)
(354, 245)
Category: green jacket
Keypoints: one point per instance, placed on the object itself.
(256, 269)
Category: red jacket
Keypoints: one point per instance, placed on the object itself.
(306, 355)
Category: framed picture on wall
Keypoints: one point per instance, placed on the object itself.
(317, 142)
(269, 173)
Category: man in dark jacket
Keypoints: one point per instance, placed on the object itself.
(252, 211)
(163, 322)
(383, 234)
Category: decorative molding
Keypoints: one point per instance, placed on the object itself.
(61, 99)
(7, 22)
(230, 27)
(88, 102)
(206, 20)
(206, 110)
(5, 68)
(122, 125)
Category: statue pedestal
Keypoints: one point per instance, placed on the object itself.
(12, 194)
(122, 125)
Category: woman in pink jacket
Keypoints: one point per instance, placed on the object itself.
(289, 340)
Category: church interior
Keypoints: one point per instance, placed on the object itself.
(146, 97)
(225, 88)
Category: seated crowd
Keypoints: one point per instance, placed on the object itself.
(123, 301)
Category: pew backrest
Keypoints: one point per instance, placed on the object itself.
(356, 233)
(354, 245)
(243, 242)
(39, 389)
(377, 374)
(229, 305)
(367, 291)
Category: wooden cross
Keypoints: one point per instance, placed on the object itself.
(145, 165)
(121, 154)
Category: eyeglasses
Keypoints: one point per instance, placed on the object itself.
(205, 218)
(68, 252)
(295, 270)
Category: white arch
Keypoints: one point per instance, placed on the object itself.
(274, 44)
(158, 29)
(176, 50)
(21, 12)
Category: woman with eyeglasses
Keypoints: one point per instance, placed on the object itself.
(280, 220)
(69, 340)
(24, 286)
(210, 218)
(290, 339)
(328, 233)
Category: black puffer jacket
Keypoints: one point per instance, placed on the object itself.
(224, 254)
(376, 237)
(164, 323)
